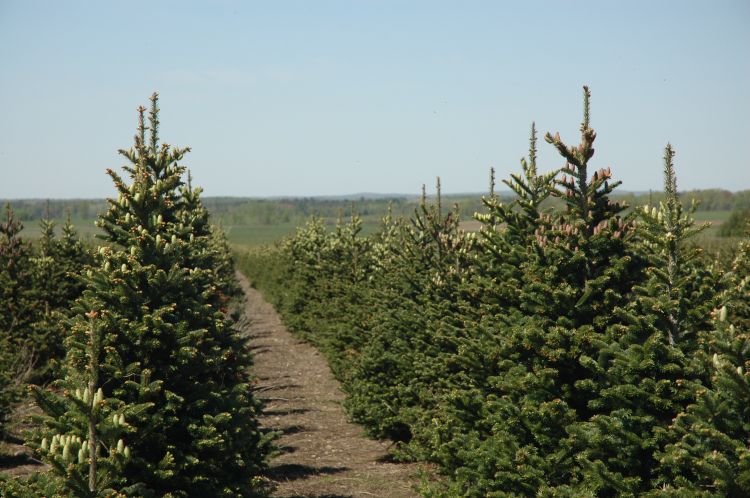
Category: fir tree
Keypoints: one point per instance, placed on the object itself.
(648, 363)
(709, 455)
(17, 312)
(83, 438)
(452, 430)
(349, 267)
(674, 267)
(167, 349)
(17, 303)
(397, 370)
(571, 274)
(547, 355)
(56, 268)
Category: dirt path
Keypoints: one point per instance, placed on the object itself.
(323, 455)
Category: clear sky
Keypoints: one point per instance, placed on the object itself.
(338, 97)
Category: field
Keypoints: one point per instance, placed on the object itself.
(250, 232)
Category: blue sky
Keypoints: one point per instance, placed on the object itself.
(336, 97)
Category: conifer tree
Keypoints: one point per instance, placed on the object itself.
(674, 267)
(169, 355)
(56, 267)
(649, 361)
(574, 272)
(349, 267)
(71, 255)
(397, 369)
(17, 311)
(211, 249)
(83, 439)
(17, 304)
(485, 297)
(709, 455)
(562, 351)
(520, 217)
(321, 287)
(303, 276)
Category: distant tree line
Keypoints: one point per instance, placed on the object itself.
(248, 211)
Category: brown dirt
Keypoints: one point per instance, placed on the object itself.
(322, 453)
(16, 459)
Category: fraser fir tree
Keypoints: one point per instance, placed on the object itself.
(348, 271)
(168, 349)
(675, 267)
(649, 362)
(521, 216)
(71, 255)
(304, 259)
(84, 436)
(321, 287)
(708, 455)
(17, 311)
(17, 300)
(574, 271)
(450, 431)
(56, 267)
(397, 370)
(213, 252)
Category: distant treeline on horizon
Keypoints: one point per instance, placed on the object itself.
(286, 210)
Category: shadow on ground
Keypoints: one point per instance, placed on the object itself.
(8, 461)
(292, 471)
(285, 411)
(293, 429)
(322, 496)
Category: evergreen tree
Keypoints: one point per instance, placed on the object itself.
(649, 362)
(397, 371)
(211, 249)
(709, 455)
(349, 270)
(560, 351)
(303, 278)
(56, 266)
(737, 225)
(169, 356)
(449, 432)
(83, 435)
(572, 274)
(17, 307)
(17, 303)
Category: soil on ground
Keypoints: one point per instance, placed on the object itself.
(322, 453)
(15, 458)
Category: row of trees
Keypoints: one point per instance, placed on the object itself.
(37, 287)
(154, 397)
(574, 348)
(77, 209)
